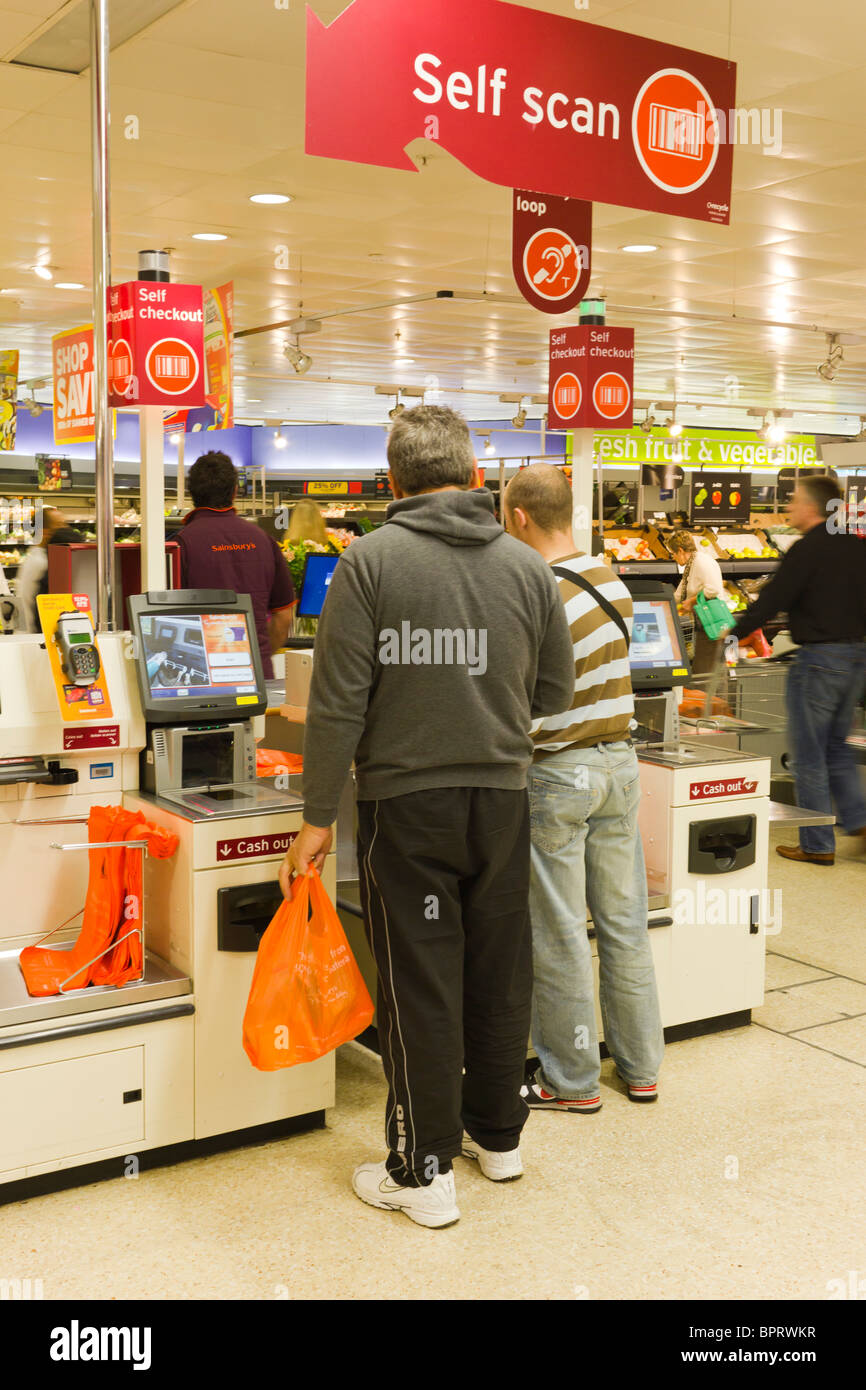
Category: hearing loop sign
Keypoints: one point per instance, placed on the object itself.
(551, 239)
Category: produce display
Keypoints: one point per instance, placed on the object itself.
(783, 540)
(628, 548)
(744, 545)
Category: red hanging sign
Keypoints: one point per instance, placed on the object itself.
(155, 344)
(591, 378)
(550, 249)
(524, 98)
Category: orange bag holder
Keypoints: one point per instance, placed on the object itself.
(307, 994)
(118, 841)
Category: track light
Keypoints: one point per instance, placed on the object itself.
(34, 407)
(835, 353)
(519, 419)
(490, 448)
(675, 429)
(280, 441)
(647, 424)
(772, 429)
(300, 361)
(397, 410)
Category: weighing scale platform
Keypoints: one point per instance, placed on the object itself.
(161, 981)
(227, 801)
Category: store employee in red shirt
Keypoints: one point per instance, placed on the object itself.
(220, 550)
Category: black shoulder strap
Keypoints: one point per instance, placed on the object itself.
(603, 603)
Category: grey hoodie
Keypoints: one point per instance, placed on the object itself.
(441, 639)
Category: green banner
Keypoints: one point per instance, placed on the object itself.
(696, 448)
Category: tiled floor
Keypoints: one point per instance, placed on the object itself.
(745, 1181)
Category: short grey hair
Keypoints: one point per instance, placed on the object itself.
(430, 447)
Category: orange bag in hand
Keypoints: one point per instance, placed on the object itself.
(307, 995)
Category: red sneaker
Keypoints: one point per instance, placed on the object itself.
(538, 1099)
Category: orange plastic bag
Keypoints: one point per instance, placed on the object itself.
(112, 910)
(271, 762)
(308, 995)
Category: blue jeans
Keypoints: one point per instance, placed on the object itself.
(586, 849)
(825, 682)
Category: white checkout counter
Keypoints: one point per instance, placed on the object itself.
(101, 1081)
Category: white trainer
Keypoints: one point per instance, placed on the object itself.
(434, 1205)
(498, 1167)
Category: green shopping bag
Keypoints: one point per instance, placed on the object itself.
(715, 616)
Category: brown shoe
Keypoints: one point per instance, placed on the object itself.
(803, 856)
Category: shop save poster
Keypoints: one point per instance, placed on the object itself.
(218, 346)
(8, 397)
(74, 412)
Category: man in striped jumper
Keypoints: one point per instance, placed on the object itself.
(584, 790)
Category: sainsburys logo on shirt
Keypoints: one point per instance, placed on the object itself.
(240, 545)
(733, 786)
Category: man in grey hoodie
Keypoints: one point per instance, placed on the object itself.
(441, 639)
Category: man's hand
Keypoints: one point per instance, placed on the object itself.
(307, 850)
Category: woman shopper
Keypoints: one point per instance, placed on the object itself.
(701, 575)
(307, 523)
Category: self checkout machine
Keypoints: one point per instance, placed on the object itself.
(91, 1076)
(704, 821)
(203, 696)
(85, 1074)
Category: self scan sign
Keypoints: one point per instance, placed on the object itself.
(156, 345)
(72, 356)
(524, 99)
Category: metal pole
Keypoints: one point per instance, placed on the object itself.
(106, 598)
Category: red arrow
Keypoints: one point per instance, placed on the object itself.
(524, 99)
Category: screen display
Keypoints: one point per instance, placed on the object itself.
(720, 498)
(197, 654)
(655, 643)
(317, 576)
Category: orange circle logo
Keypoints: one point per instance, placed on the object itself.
(675, 131)
(119, 366)
(567, 395)
(171, 366)
(611, 395)
(552, 263)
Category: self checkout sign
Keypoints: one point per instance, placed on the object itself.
(155, 344)
(591, 384)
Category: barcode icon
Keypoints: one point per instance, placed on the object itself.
(610, 395)
(566, 395)
(119, 366)
(672, 131)
(171, 366)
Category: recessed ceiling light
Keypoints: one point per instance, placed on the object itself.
(43, 272)
(254, 400)
(69, 285)
(639, 248)
(405, 361)
(270, 197)
(375, 256)
(209, 236)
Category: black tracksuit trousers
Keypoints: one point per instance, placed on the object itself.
(444, 877)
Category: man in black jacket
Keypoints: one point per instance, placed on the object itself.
(821, 585)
